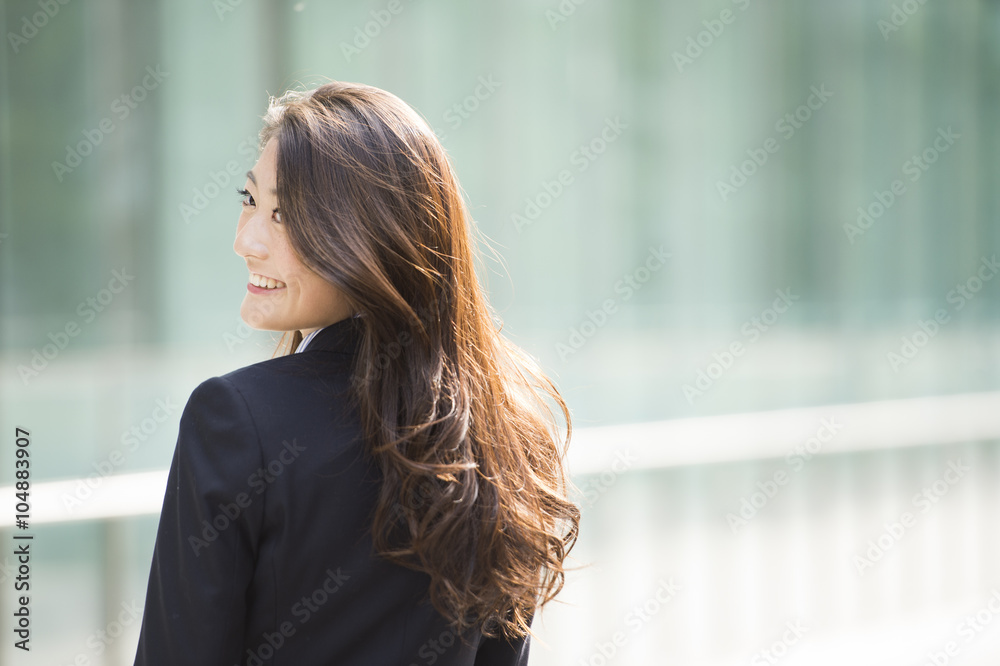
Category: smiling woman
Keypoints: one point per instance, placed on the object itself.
(283, 294)
(424, 515)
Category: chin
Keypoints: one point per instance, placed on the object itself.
(258, 317)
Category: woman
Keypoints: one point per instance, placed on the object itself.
(390, 489)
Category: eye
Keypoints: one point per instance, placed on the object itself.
(247, 198)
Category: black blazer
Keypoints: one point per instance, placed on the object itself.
(263, 553)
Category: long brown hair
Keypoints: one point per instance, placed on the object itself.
(474, 489)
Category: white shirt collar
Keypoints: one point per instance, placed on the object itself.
(307, 339)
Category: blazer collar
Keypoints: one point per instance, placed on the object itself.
(341, 336)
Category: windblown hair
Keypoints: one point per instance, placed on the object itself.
(474, 489)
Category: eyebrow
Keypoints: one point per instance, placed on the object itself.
(254, 181)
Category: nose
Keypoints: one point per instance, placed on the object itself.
(249, 240)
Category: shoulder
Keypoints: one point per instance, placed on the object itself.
(219, 401)
(218, 441)
(216, 395)
(272, 393)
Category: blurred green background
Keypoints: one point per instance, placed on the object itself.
(740, 138)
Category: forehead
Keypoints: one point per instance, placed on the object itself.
(263, 172)
(266, 161)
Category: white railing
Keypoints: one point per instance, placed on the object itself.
(889, 424)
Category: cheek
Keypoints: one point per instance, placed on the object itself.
(318, 292)
(313, 290)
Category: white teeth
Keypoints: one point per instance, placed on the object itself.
(265, 282)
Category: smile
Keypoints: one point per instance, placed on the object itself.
(265, 282)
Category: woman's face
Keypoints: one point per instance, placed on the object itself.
(282, 293)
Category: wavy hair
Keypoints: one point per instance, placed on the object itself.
(474, 488)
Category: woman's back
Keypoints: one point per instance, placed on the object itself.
(267, 517)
